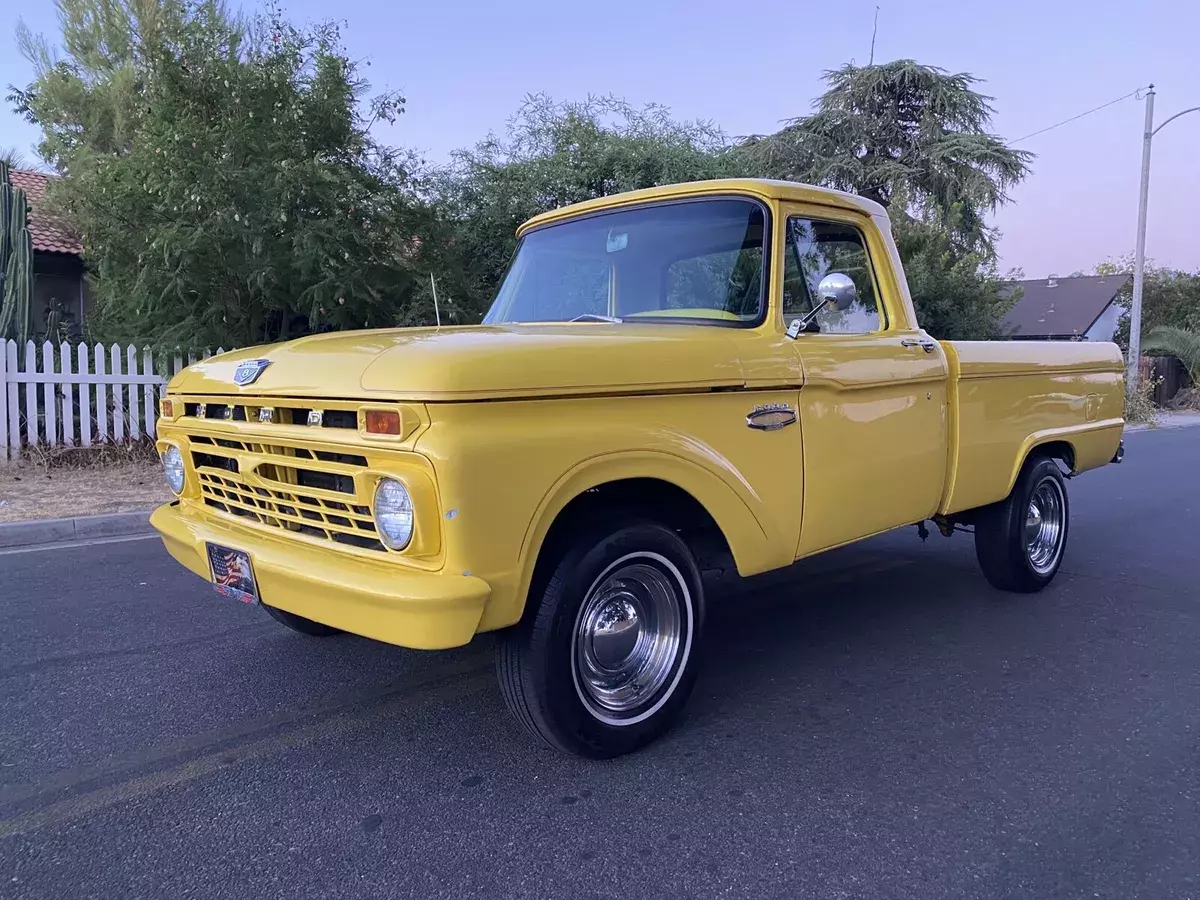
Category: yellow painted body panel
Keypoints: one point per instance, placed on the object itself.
(481, 362)
(874, 416)
(873, 409)
(503, 426)
(374, 598)
(540, 455)
(1012, 396)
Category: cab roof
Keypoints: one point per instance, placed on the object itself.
(763, 188)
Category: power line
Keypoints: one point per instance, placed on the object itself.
(1080, 116)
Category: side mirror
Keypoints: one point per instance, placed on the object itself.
(837, 289)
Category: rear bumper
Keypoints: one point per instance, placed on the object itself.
(380, 600)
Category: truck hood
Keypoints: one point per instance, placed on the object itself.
(480, 362)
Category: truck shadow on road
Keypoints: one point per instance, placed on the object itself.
(868, 617)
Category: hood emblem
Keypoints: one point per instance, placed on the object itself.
(771, 416)
(247, 372)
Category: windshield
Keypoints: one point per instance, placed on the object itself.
(699, 262)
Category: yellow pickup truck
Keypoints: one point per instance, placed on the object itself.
(729, 367)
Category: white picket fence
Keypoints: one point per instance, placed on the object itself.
(77, 395)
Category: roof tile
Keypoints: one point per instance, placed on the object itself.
(49, 235)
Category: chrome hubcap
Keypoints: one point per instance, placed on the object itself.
(1044, 525)
(628, 638)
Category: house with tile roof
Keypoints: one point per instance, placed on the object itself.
(58, 270)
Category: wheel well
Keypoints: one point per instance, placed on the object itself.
(639, 498)
(1061, 450)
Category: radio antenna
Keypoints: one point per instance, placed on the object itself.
(436, 313)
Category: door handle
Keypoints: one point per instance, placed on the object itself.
(927, 346)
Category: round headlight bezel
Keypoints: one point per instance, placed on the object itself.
(172, 460)
(397, 505)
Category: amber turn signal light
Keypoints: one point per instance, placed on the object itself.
(383, 421)
(166, 408)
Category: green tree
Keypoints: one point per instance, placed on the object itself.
(223, 175)
(958, 294)
(915, 139)
(1170, 297)
(555, 153)
(901, 133)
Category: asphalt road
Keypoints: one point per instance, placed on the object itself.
(878, 724)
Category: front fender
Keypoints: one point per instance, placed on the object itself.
(506, 471)
(757, 545)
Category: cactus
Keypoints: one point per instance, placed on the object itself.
(18, 216)
(6, 201)
(17, 310)
(16, 298)
(54, 320)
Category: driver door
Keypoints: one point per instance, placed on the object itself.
(873, 405)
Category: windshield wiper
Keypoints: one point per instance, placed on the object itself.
(593, 317)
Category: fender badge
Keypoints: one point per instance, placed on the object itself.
(247, 372)
(771, 416)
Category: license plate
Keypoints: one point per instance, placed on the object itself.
(232, 574)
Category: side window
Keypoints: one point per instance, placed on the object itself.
(816, 249)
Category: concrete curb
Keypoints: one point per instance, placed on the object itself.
(79, 528)
(1169, 420)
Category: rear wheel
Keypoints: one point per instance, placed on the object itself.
(606, 655)
(1019, 541)
(301, 624)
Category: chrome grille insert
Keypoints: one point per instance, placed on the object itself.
(291, 510)
(290, 464)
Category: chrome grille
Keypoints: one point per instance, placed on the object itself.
(332, 520)
(287, 487)
(291, 454)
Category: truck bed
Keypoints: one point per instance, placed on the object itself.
(1006, 397)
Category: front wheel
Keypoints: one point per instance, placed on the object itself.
(606, 659)
(1019, 541)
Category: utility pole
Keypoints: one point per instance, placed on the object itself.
(1139, 257)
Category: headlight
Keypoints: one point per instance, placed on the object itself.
(172, 462)
(393, 514)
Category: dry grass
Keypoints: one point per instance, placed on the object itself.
(52, 484)
(1139, 408)
(99, 456)
(1187, 400)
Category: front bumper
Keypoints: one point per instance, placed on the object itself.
(377, 599)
